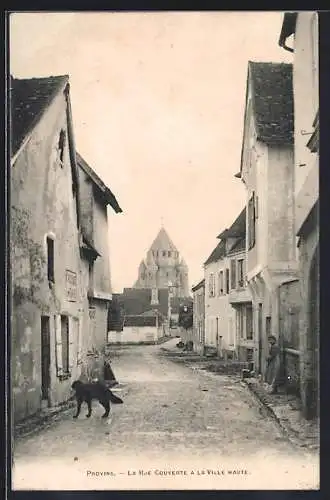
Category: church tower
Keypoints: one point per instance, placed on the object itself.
(163, 266)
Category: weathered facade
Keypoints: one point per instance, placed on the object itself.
(138, 303)
(51, 249)
(227, 299)
(268, 174)
(240, 299)
(95, 197)
(304, 28)
(47, 290)
(198, 337)
(147, 328)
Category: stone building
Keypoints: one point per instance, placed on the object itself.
(268, 175)
(228, 312)
(198, 336)
(95, 198)
(163, 267)
(50, 246)
(303, 28)
(48, 297)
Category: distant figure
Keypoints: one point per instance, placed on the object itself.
(273, 365)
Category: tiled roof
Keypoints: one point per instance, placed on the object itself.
(237, 228)
(273, 101)
(28, 100)
(108, 195)
(136, 320)
(136, 301)
(217, 253)
(199, 285)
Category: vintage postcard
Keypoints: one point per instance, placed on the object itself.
(164, 237)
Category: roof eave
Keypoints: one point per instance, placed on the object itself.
(108, 196)
(288, 28)
(275, 141)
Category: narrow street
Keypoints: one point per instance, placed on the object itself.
(178, 428)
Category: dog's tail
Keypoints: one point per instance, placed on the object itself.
(114, 399)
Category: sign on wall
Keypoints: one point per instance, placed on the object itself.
(71, 285)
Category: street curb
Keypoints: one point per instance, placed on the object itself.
(288, 433)
(40, 420)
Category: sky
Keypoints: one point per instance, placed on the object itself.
(158, 107)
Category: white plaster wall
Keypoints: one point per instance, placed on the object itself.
(306, 102)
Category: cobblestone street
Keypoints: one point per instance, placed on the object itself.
(177, 429)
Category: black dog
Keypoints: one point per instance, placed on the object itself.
(95, 390)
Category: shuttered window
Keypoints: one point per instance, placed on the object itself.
(233, 274)
(240, 272)
(220, 288)
(251, 222)
(58, 344)
(249, 323)
(66, 335)
(65, 342)
(227, 280)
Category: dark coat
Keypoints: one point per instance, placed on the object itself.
(273, 366)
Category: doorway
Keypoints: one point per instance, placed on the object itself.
(45, 358)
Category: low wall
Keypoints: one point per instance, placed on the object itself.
(136, 335)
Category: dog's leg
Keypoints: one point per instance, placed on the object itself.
(89, 404)
(79, 401)
(106, 406)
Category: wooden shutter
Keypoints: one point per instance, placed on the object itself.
(58, 346)
(233, 273)
(79, 344)
(251, 221)
(72, 339)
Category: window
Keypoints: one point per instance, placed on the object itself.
(50, 260)
(227, 280)
(249, 323)
(91, 277)
(164, 253)
(240, 272)
(61, 144)
(240, 324)
(268, 325)
(220, 283)
(212, 285)
(65, 343)
(169, 253)
(66, 334)
(233, 274)
(251, 222)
